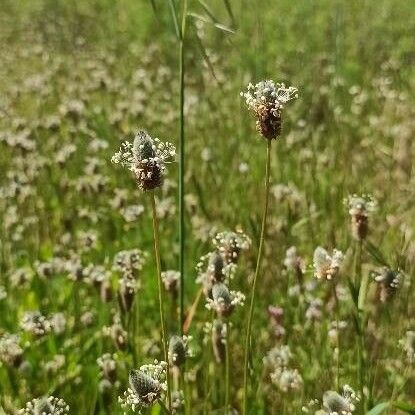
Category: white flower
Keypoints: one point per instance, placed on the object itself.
(268, 93)
(147, 385)
(49, 405)
(325, 265)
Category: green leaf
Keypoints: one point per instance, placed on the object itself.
(175, 18)
(405, 407)
(210, 21)
(376, 254)
(379, 408)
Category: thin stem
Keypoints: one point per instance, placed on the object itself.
(160, 292)
(182, 230)
(336, 299)
(254, 284)
(227, 370)
(360, 328)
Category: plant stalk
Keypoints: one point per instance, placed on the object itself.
(182, 230)
(254, 284)
(160, 293)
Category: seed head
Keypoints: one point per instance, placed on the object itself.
(266, 100)
(178, 350)
(146, 158)
(230, 244)
(147, 386)
(388, 281)
(223, 301)
(360, 208)
(336, 404)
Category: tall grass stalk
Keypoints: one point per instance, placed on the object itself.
(182, 229)
(360, 326)
(181, 35)
(227, 370)
(160, 293)
(254, 284)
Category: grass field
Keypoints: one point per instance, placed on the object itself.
(315, 229)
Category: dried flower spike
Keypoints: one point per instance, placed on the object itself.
(266, 100)
(146, 158)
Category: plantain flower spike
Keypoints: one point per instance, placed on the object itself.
(146, 157)
(266, 100)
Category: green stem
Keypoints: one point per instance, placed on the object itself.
(227, 370)
(360, 328)
(336, 299)
(182, 230)
(160, 292)
(254, 284)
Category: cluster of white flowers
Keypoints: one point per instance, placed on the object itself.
(43, 406)
(179, 349)
(388, 277)
(10, 349)
(361, 205)
(171, 280)
(277, 362)
(146, 157)
(270, 94)
(344, 404)
(35, 323)
(223, 300)
(293, 260)
(286, 379)
(128, 261)
(128, 156)
(147, 385)
(326, 266)
(230, 244)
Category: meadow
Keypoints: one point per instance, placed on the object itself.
(207, 207)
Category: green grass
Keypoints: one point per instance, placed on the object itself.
(349, 132)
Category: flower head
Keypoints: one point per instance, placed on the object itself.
(336, 404)
(46, 406)
(178, 350)
(230, 244)
(224, 301)
(389, 281)
(266, 100)
(146, 157)
(326, 266)
(10, 350)
(171, 281)
(360, 208)
(147, 386)
(286, 379)
(35, 323)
